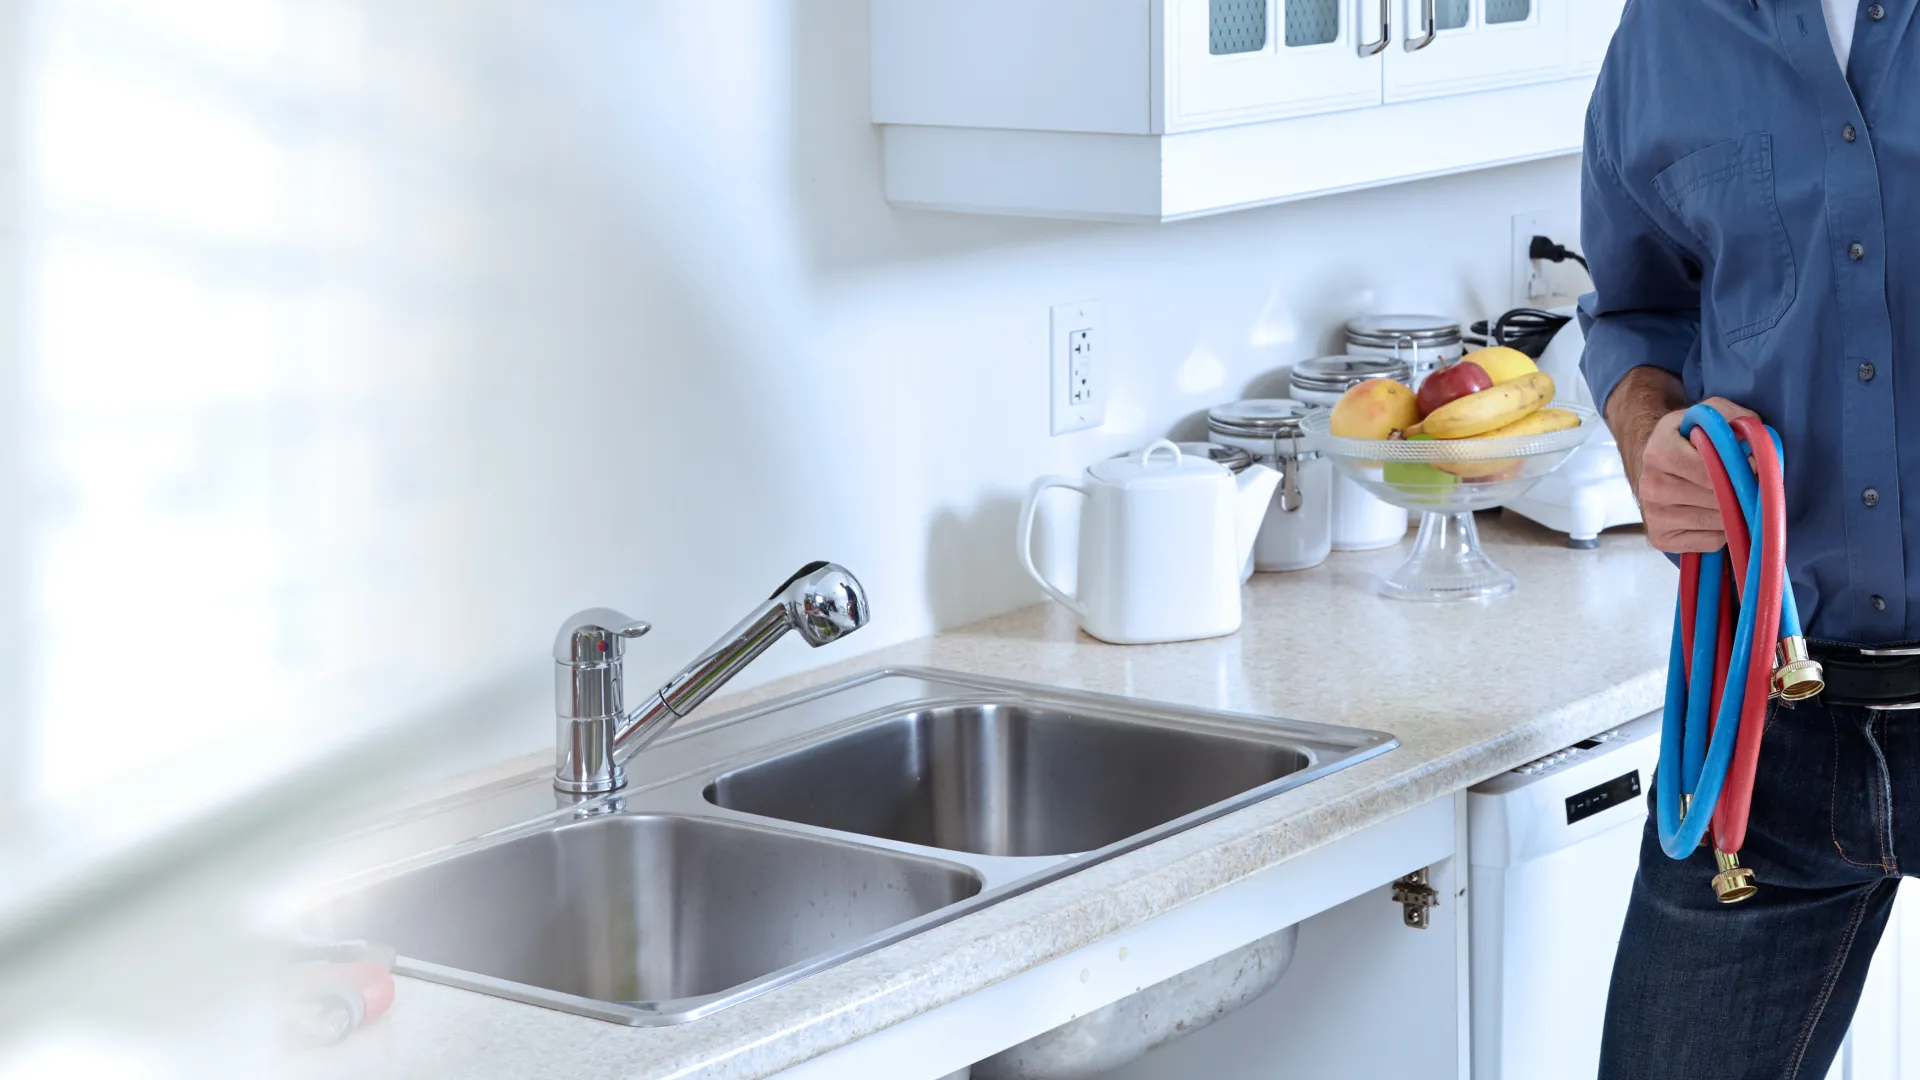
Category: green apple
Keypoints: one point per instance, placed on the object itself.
(1416, 477)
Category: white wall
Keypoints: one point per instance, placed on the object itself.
(360, 343)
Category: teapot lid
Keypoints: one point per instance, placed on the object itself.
(1233, 457)
(1159, 463)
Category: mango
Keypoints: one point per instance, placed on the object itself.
(1374, 409)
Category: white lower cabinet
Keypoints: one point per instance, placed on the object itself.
(1884, 1043)
(1358, 974)
(1356, 962)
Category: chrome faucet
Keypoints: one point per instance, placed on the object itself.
(597, 735)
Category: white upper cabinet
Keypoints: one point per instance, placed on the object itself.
(1154, 110)
(1234, 61)
(1592, 23)
(1457, 46)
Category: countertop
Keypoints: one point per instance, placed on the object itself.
(1470, 690)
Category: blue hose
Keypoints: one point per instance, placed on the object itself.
(1691, 762)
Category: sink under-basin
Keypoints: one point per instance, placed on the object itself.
(998, 778)
(783, 840)
(650, 910)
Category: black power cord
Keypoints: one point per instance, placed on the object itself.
(1526, 329)
(1543, 247)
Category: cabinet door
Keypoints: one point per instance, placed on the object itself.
(1235, 61)
(1456, 46)
(1592, 23)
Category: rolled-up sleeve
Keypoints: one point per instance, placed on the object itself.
(1645, 307)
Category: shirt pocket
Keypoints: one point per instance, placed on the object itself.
(1723, 194)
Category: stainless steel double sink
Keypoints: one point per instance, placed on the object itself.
(774, 843)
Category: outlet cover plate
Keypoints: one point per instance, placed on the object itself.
(1077, 382)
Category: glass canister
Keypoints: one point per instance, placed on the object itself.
(1298, 530)
(1233, 457)
(1425, 342)
(1361, 521)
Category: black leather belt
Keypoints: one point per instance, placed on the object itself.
(1875, 676)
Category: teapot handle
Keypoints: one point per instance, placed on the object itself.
(1071, 602)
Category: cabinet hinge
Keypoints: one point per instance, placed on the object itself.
(1415, 896)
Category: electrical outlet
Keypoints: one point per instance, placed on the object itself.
(1077, 383)
(1527, 286)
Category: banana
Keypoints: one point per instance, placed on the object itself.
(1494, 407)
(1534, 423)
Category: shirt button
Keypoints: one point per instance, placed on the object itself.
(1876, 13)
(1856, 251)
(1870, 497)
(1848, 133)
(1866, 372)
(1879, 602)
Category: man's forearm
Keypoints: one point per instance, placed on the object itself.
(1639, 400)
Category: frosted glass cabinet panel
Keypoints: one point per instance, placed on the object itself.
(1457, 46)
(1234, 61)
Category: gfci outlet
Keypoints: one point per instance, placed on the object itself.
(1079, 369)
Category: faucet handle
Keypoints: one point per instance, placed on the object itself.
(595, 636)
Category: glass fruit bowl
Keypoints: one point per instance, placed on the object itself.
(1447, 480)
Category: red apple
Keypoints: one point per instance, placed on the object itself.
(1455, 381)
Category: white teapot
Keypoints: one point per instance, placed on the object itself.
(1162, 539)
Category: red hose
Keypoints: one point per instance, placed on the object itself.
(1730, 814)
(1733, 520)
(1724, 653)
(1689, 604)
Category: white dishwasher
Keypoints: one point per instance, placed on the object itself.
(1552, 847)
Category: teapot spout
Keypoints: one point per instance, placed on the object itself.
(1256, 484)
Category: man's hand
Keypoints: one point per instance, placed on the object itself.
(1676, 499)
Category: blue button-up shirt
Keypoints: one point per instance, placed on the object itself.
(1752, 216)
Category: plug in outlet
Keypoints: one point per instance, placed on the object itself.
(1079, 393)
(1527, 286)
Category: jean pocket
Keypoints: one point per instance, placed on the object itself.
(1723, 194)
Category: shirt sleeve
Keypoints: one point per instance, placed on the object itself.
(1644, 310)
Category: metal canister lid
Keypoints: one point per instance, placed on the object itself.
(1334, 374)
(1258, 418)
(1386, 331)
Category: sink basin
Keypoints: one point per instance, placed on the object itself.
(994, 778)
(773, 843)
(651, 910)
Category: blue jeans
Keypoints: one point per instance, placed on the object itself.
(1767, 987)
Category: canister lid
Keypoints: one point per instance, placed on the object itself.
(1385, 331)
(1233, 457)
(1258, 418)
(1336, 373)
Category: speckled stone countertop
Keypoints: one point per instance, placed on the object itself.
(1470, 690)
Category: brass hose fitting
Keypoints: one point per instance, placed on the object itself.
(1798, 675)
(1734, 882)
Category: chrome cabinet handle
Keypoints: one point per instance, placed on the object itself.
(1430, 23)
(1370, 48)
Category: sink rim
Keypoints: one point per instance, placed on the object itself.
(678, 790)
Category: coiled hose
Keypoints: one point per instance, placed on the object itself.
(1722, 670)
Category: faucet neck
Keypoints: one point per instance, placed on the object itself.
(597, 735)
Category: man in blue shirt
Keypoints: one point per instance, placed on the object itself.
(1751, 212)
